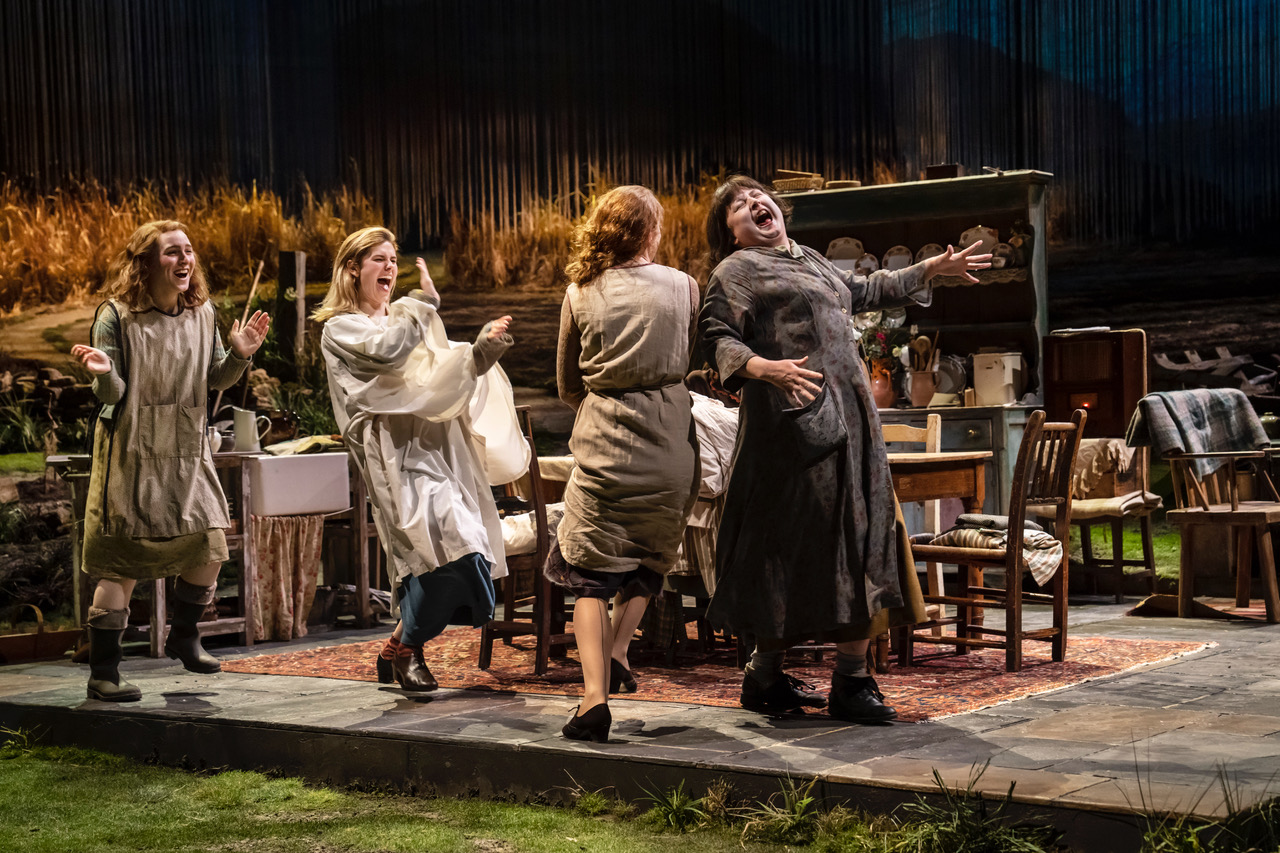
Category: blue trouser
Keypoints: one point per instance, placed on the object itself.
(457, 593)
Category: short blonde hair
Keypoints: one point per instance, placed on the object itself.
(128, 278)
(343, 295)
(617, 228)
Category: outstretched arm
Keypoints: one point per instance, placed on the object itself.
(426, 284)
(105, 360)
(492, 342)
(226, 366)
(246, 340)
(958, 263)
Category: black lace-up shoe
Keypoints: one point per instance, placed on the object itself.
(788, 693)
(858, 700)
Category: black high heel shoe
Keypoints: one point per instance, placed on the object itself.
(593, 725)
(620, 678)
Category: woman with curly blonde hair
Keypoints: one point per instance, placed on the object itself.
(155, 508)
(625, 330)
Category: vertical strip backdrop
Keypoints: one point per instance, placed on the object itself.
(1159, 117)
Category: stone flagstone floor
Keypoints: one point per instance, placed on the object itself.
(1157, 737)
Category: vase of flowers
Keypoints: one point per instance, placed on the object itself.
(883, 337)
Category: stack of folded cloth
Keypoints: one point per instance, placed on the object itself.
(1042, 552)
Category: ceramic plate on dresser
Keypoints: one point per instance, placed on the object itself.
(951, 374)
(980, 233)
(866, 265)
(845, 248)
(897, 258)
(928, 251)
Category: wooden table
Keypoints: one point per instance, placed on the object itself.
(933, 476)
(75, 469)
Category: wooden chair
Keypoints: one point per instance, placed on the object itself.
(930, 436)
(529, 603)
(1216, 500)
(1042, 477)
(1111, 504)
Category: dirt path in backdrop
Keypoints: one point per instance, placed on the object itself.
(28, 335)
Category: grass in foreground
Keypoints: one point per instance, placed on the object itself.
(60, 799)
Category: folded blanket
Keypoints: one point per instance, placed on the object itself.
(1042, 551)
(1202, 420)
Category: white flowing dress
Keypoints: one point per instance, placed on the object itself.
(430, 430)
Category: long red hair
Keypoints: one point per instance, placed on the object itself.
(618, 227)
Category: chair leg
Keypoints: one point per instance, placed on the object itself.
(934, 583)
(1267, 567)
(881, 659)
(486, 646)
(508, 605)
(542, 624)
(1117, 555)
(1013, 620)
(1060, 585)
(968, 614)
(1086, 555)
(1244, 564)
(1186, 574)
(906, 646)
(1148, 551)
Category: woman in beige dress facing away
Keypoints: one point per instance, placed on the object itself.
(155, 508)
(625, 330)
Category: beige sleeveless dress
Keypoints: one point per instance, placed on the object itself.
(635, 452)
(155, 507)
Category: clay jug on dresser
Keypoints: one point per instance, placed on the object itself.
(882, 390)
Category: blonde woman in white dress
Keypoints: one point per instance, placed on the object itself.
(431, 424)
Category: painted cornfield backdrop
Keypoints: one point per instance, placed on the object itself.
(1159, 117)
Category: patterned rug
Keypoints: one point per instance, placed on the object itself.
(937, 687)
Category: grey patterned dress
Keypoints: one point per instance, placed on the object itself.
(809, 547)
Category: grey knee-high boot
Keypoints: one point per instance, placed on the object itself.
(183, 643)
(106, 627)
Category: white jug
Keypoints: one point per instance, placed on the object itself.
(249, 429)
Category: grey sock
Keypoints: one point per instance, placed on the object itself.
(854, 666)
(765, 667)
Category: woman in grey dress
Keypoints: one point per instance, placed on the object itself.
(811, 545)
(625, 328)
(155, 508)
